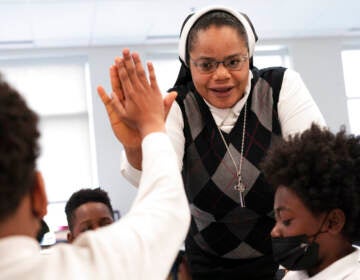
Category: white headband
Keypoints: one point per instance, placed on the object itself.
(189, 24)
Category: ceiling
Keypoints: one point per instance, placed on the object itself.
(65, 23)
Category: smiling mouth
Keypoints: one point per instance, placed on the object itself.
(222, 90)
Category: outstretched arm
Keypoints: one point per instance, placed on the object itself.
(144, 243)
(128, 77)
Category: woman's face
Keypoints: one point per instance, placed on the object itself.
(223, 87)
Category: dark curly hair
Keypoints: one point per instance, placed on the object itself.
(19, 148)
(323, 169)
(84, 196)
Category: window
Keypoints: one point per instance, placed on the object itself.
(56, 88)
(351, 62)
(267, 56)
(167, 66)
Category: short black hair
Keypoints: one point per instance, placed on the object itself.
(19, 149)
(323, 169)
(84, 196)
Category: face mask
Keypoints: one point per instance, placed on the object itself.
(295, 252)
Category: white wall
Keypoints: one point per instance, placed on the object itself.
(317, 60)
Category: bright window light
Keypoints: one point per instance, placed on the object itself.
(351, 62)
(56, 89)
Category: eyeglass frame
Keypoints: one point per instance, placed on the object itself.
(216, 63)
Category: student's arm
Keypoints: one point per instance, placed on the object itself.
(145, 242)
(129, 78)
(174, 129)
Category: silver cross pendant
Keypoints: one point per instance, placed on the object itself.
(240, 187)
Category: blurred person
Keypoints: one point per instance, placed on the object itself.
(88, 209)
(317, 204)
(139, 246)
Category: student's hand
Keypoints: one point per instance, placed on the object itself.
(128, 136)
(135, 107)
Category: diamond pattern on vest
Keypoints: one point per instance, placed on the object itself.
(262, 104)
(226, 173)
(243, 251)
(201, 218)
(196, 119)
(219, 225)
(194, 166)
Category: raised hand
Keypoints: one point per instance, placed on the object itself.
(128, 136)
(135, 107)
(142, 107)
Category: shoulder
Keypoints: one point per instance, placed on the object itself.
(182, 90)
(271, 75)
(291, 75)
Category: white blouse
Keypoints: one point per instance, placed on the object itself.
(296, 108)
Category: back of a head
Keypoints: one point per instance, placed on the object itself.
(18, 149)
(322, 168)
(84, 196)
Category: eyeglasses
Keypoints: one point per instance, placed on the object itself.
(207, 66)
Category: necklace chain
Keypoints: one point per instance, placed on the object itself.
(240, 185)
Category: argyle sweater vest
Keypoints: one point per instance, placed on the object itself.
(220, 226)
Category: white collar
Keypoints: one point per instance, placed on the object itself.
(14, 248)
(337, 270)
(228, 116)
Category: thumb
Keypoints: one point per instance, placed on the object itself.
(168, 101)
(103, 95)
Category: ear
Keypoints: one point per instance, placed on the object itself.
(39, 198)
(336, 221)
(70, 237)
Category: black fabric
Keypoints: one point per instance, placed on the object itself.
(221, 231)
(43, 229)
(184, 76)
(208, 267)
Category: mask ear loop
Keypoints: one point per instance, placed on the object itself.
(319, 230)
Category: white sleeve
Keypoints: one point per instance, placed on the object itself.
(297, 109)
(144, 243)
(174, 128)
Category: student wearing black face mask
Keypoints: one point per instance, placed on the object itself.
(317, 204)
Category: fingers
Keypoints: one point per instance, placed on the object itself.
(132, 75)
(109, 102)
(152, 77)
(103, 95)
(126, 83)
(139, 69)
(129, 79)
(115, 81)
(117, 105)
(168, 101)
(129, 67)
